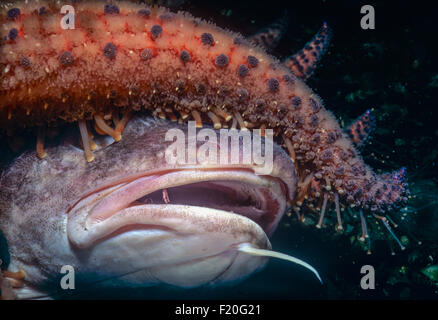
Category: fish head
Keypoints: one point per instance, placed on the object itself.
(135, 216)
(178, 223)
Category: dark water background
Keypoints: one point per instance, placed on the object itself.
(390, 69)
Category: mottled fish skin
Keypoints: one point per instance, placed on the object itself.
(35, 196)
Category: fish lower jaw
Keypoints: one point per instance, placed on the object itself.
(175, 244)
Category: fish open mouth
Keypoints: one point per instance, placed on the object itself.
(252, 201)
(262, 199)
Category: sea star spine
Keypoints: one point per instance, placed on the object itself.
(304, 62)
(359, 131)
(269, 36)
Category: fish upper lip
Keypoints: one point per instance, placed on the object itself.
(269, 192)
